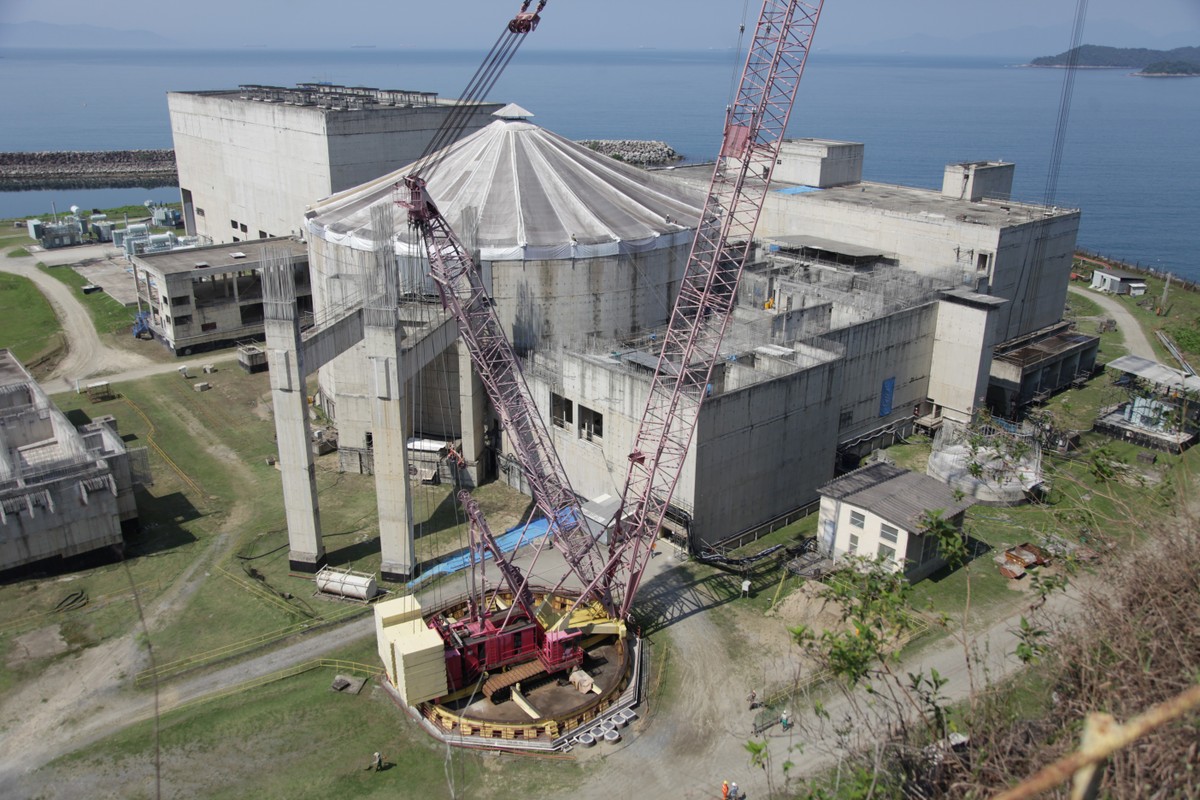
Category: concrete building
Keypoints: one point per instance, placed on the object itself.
(63, 490)
(970, 231)
(1030, 368)
(884, 312)
(1115, 281)
(252, 159)
(575, 246)
(879, 512)
(207, 297)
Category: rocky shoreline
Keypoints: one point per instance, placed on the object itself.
(634, 151)
(150, 169)
(98, 169)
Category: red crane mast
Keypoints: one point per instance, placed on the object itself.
(754, 130)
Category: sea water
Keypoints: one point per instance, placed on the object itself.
(1130, 159)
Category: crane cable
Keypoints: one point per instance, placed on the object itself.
(480, 85)
(1054, 168)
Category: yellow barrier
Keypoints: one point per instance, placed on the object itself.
(151, 430)
(184, 664)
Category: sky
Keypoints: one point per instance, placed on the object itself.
(926, 26)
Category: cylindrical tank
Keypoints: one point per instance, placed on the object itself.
(354, 585)
(573, 246)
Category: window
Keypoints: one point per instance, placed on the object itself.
(242, 227)
(199, 212)
(562, 411)
(369, 438)
(888, 554)
(186, 319)
(888, 533)
(847, 418)
(591, 424)
(857, 519)
(181, 300)
(208, 326)
(233, 224)
(854, 543)
(262, 235)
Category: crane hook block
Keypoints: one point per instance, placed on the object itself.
(525, 22)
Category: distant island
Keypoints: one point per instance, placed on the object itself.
(1150, 63)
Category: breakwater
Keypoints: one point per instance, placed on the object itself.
(634, 151)
(88, 169)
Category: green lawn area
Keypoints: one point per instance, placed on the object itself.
(216, 500)
(297, 739)
(107, 314)
(1179, 317)
(31, 330)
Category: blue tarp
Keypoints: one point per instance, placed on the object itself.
(507, 542)
(798, 190)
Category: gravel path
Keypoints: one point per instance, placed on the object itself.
(1127, 324)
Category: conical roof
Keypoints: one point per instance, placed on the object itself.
(528, 194)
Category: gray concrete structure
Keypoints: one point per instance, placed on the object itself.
(573, 245)
(208, 297)
(401, 339)
(790, 397)
(1031, 368)
(252, 159)
(63, 490)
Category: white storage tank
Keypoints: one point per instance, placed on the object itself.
(572, 244)
(348, 584)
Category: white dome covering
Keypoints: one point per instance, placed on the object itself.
(535, 196)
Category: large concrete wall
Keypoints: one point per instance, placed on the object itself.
(1032, 271)
(962, 354)
(899, 347)
(261, 164)
(540, 304)
(1003, 260)
(763, 450)
(759, 451)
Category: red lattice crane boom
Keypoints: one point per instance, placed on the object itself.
(754, 129)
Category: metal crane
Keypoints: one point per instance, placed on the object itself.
(754, 130)
(493, 638)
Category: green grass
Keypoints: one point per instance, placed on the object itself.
(18, 252)
(107, 314)
(31, 330)
(297, 739)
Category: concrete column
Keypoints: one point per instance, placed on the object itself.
(472, 404)
(383, 337)
(292, 433)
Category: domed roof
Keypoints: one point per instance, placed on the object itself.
(529, 194)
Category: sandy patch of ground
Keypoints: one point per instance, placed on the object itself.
(41, 643)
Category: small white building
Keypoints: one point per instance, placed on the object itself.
(878, 511)
(1114, 281)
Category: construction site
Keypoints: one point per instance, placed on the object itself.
(555, 399)
(641, 361)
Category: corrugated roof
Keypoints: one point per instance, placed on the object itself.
(898, 495)
(536, 196)
(1166, 378)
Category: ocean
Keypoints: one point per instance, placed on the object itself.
(1130, 161)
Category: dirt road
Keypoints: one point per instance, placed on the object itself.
(1127, 324)
(88, 357)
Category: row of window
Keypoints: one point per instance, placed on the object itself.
(884, 552)
(886, 532)
(241, 226)
(562, 414)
